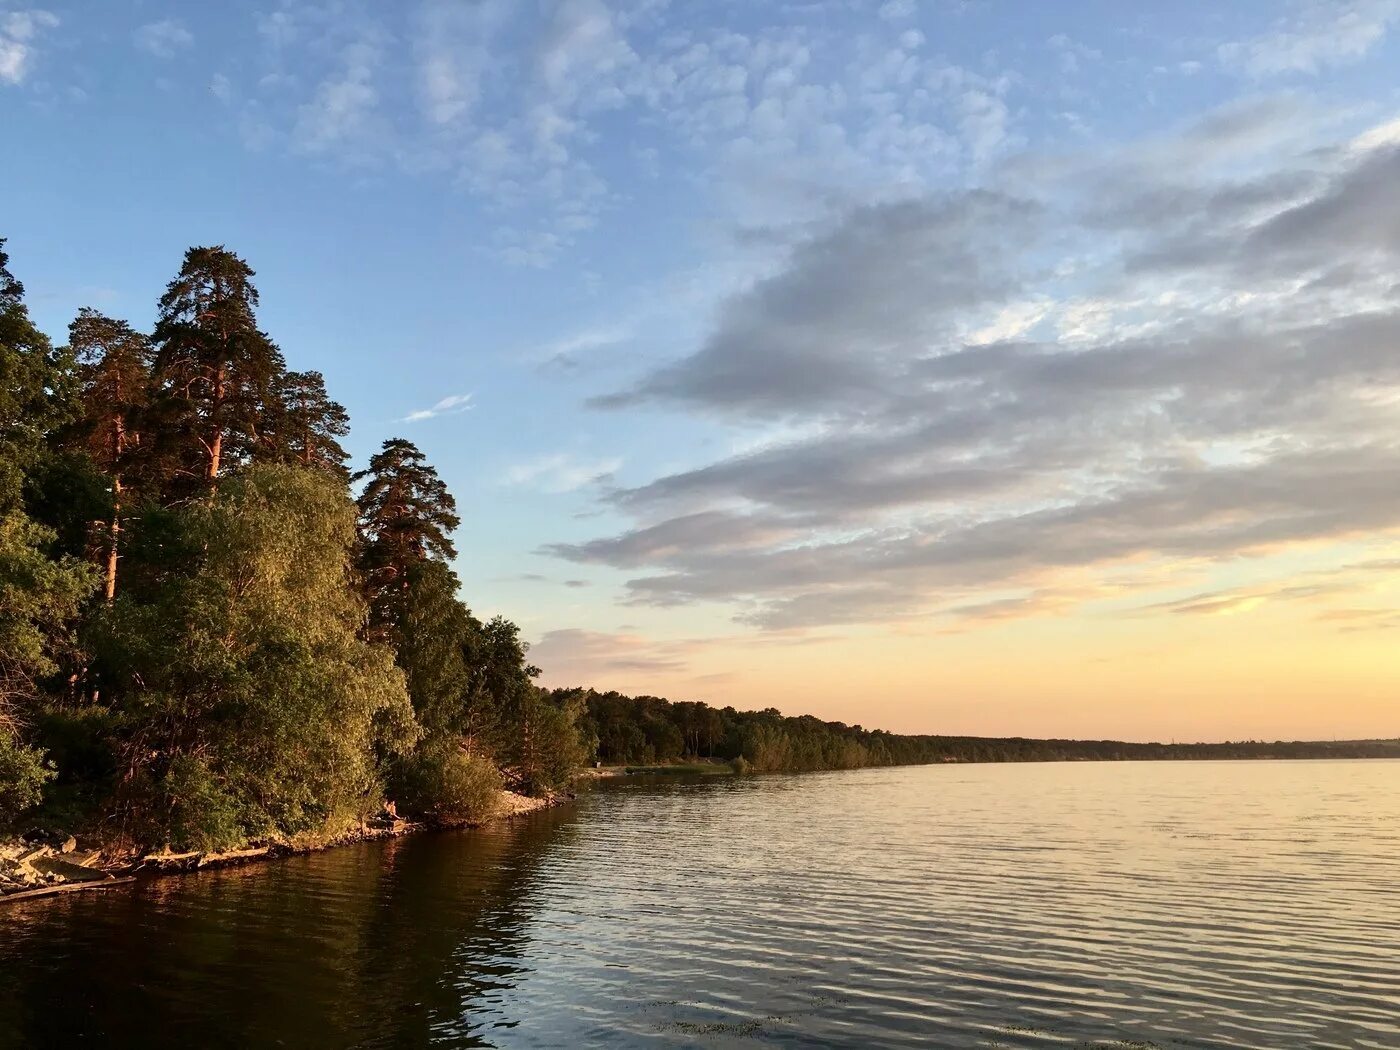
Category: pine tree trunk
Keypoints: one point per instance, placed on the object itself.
(113, 538)
(115, 527)
(216, 444)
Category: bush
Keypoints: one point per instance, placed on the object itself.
(203, 813)
(740, 765)
(23, 774)
(445, 784)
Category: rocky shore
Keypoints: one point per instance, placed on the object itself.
(42, 866)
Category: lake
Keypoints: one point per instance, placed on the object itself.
(1171, 904)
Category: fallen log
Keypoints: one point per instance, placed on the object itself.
(64, 887)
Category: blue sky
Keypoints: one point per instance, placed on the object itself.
(761, 342)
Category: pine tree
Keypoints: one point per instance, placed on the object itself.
(217, 374)
(113, 365)
(309, 424)
(406, 514)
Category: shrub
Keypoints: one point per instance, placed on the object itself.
(23, 774)
(740, 765)
(203, 813)
(443, 783)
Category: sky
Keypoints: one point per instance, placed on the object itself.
(952, 366)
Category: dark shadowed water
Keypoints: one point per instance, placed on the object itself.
(1189, 904)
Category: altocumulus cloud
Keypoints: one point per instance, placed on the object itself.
(1185, 349)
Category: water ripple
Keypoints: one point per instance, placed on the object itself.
(1183, 905)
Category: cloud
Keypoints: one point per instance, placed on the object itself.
(576, 656)
(891, 279)
(568, 352)
(164, 38)
(897, 10)
(1316, 35)
(579, 655)
(19, 30)
(561, 472)
(961, 419)
(344, 107)
(452, 405)
(516, 104)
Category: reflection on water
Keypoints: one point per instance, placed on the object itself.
(1134, 904)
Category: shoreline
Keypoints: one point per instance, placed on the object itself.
(129, 870)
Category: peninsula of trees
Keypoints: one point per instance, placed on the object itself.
(212, 632)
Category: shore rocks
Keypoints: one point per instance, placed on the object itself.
(34, 867)
(26, 867)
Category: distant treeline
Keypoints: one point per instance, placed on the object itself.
(627, 730)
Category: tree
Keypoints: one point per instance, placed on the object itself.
(309, 424)
(433, 637)
(217, 374)
(252, 707)
(33, 397)
(547, 747)
(113, 366)
(39, 595)
(406, 514)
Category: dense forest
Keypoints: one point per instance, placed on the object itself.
(211, 631)
(646, 730)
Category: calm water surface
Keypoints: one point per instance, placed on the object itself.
(1250, 904)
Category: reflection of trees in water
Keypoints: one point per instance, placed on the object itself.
(395, 943)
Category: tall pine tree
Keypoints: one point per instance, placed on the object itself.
(217, 375)
(309, 425)
(406, 514)
(113, 367)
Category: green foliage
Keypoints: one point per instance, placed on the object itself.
(307, 425)
(237, 684)
(406, 514)
(202, 809)
(244, 686)
(67, 492)
(740, 765)
(217, 376)
(442, 782)
(34, 393)
(23, 774)
(544, 749)
(433, 635)
(39, 597)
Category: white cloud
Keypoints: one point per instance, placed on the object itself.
(561, 472)
(164, 38)
(1318, 34)
(454, 404)
(342, 108)
(1218, 386)
(18, 32)
(515, 103)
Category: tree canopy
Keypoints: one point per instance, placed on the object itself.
(280, 658)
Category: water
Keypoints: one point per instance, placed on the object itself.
(1129, 905)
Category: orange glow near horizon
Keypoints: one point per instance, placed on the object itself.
(1308, 653)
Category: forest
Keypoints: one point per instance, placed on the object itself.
(213, 631)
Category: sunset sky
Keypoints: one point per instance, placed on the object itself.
(973, 367)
